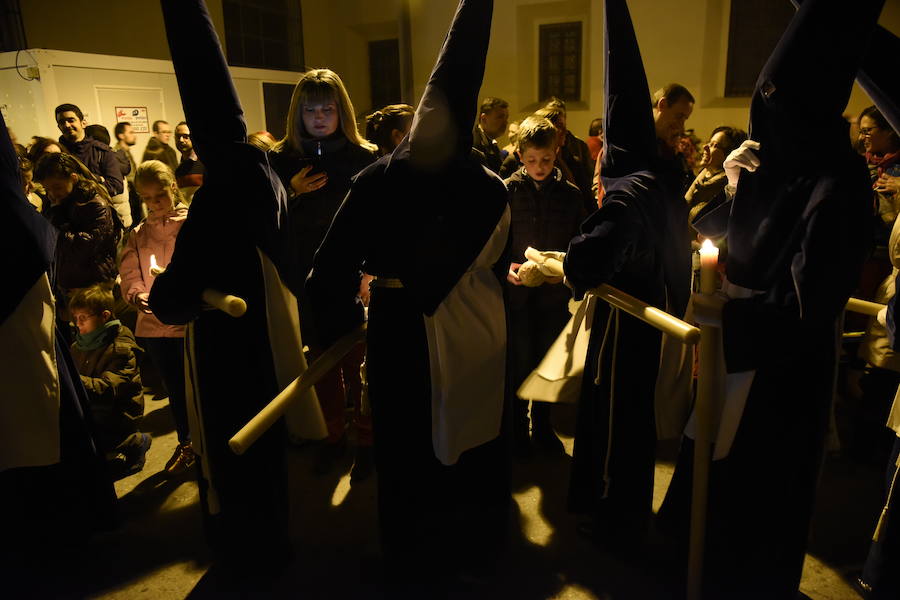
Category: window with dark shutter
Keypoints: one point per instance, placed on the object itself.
(277, 101)
(560, 61)
(754, 29)
(384, 72)
(12, 32)
(264, 34)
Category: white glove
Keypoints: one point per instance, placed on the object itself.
(530, 274)
(742, 157)
(881, 317)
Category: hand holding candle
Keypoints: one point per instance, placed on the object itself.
(709, 260)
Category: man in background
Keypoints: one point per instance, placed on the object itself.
(125, 139)
(158, 147)
(189, 174)
(493, 119)
(595, 138)
(97, 156)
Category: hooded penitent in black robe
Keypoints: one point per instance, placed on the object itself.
(422, 215)
(54, 490)
(236, 240)
(798, 232)
(637, 242)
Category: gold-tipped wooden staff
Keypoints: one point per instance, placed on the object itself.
(295, 390)
(660, 319)
(227, 303)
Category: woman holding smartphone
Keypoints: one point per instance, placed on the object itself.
(319, 155)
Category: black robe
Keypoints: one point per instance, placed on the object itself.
(61, 504)
(798, 231)
(238, 219)
(431, 517)
(761, 495)
(628, 244)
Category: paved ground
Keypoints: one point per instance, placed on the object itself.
(159, 553)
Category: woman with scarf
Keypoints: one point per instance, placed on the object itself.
(883, 158)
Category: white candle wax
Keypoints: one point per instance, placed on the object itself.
(709, 259)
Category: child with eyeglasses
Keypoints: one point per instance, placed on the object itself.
(106, 354)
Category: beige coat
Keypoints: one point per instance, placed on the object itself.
(875, 348)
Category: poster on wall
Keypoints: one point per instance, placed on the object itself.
(136, 115)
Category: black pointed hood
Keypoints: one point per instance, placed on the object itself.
(442, 126)
(629, 134)
(796, 114)
(445, 203)
(802, 90)
(211, 105)
(240, 189)
(877, 76)
(876, 73)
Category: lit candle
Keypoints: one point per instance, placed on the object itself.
(709, 259)
(155, 269)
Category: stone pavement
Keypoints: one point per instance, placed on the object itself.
(159, 553)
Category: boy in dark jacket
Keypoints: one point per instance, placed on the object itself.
(546, 213)
(105, 353)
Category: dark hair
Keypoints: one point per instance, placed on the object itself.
(156, 125)
(25, 165)
(94, 298)
(489, 104)
(39, 148)
(672, 93)
(873, 113)
(382, 123)
(537, 132)
(180, 123)
(68, 108)
(735, 136)
(62, 164)
(21, 151)
(98, 132)
(596, 127)
(119, 129)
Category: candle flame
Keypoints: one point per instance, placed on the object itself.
(707, 245)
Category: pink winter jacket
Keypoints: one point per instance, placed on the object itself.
(154, 235)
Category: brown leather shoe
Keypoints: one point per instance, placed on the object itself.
(184, 460)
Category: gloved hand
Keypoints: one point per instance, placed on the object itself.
(742, 157)
(530, 274)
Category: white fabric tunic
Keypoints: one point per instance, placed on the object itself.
(467, 356)
(29, 382)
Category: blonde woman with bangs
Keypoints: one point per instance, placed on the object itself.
(318, 156)
(155, 237)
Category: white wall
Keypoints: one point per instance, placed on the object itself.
(86, 79)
